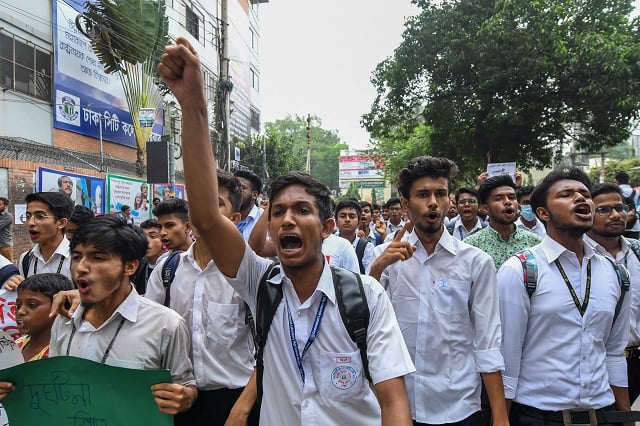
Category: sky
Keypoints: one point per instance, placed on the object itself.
(317, 56)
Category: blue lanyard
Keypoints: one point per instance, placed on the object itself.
(312, 335)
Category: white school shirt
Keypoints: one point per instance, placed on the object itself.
(339, 252)
(627, 257)
(335, 391)
(151, 337)
(448, 310)
(554, 358)
(62, 253)
(252, 219)
(537, 229)
(460, 232)
(221, 342)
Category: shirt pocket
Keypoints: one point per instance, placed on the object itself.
(451, 298)
(222, 322)
(132, 365)
(339, 375)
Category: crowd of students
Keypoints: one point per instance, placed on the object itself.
(529, 293)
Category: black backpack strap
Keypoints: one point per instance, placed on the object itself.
(169, 273)
(625, 284)
(635, 247)
(354, 311)
(267, 301)
(26, 259)
(360, 246)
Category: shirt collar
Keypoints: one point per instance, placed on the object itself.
(624, 246)
(459, 224)
(325, 284)
(446, 242)
(497, 234)
(128, 309)
(553, 249)
(63, 249)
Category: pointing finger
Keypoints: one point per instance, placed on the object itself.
(408, 227)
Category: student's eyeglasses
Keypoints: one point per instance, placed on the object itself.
(395, 209)
(470, 201)
(37, 217)
(606, 210)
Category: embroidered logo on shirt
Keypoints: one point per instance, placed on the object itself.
(344, 377)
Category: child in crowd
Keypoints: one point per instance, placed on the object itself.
(35, 295)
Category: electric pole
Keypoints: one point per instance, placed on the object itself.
(225, 85)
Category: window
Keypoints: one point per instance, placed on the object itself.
(195, 23)
(25, 68)
(255, 120)
(255, 80)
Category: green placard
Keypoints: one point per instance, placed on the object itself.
(72, 391)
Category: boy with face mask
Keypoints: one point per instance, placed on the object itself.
(528, 220)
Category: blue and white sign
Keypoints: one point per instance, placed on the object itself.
(86, 98)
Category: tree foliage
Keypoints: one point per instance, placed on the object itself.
(128, 37)
(286, 149)
(352, 192)
(511, 80)
(612, 167)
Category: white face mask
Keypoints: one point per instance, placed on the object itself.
(527, 212)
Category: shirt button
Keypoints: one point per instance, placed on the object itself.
(305, 403)
(299, 314)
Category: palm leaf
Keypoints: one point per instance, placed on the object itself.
(128, 37)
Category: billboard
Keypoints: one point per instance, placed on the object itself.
(353, 166)
(86, 99)
(131, 192)
(83, 190)
(163, 191)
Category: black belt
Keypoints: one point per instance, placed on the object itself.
(603, 415)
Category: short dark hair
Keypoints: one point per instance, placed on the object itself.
(111, 235)
(606, 188)
(175, 206)
(349, 203)
(365, 203)
(312, 186)
(375, 206)
(390, 201)
(81, 214)
(60, 204)
(435, 167)
(623, 177)
(5, 200)
(231, 182)
(523, 191)
(150, 223)
(539, 194)
(47, 283)
(125, 207)
(256, 183)
(466, 190)
(492, 183)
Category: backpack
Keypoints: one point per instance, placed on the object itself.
(169, 273)
(360, 246)
(530, 274)
(351, 301)
(26, 259)
(635, 247)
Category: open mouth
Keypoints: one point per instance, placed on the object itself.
(583, 210)
(82, 284)
(509, 211)
(290, 243)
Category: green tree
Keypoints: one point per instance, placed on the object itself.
(128, 37)
(512, 80)
(286, 149)
(352, 191)
(612, 167)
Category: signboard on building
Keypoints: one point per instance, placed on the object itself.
(83, 190)
(131, 192)
(87, 100)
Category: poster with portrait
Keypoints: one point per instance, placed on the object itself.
(130, 192)
(163, 191)
(83, 190)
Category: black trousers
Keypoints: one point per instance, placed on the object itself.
(633, 373)
(476, 419)
(523, 415)
(212, 409)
